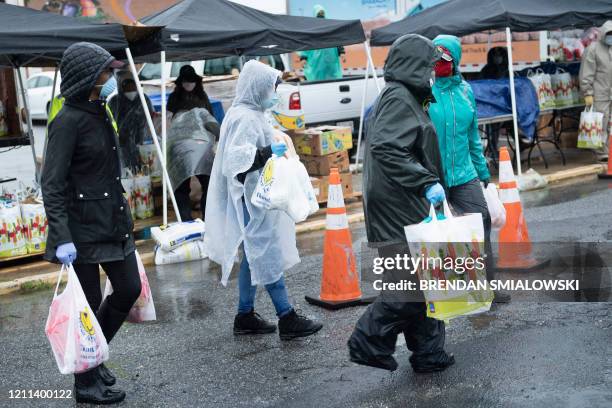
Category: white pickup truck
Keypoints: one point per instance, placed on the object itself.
(336, 101)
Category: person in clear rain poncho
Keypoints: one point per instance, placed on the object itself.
(267, 237)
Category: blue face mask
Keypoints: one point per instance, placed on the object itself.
(108, 87)
(608, 39)
(271, 102)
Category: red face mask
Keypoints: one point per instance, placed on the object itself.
(443, 68)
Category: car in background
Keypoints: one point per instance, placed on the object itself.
(39, 88)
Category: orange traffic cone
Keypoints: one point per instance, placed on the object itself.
(514, 242)
(608, 175)
(340, 279)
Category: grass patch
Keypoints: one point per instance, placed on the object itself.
(34, 286)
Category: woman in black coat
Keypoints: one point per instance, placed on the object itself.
(89, 219)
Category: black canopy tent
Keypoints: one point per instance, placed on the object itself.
(201, 29)
(35, 38)
(463, 17)
(197, 29)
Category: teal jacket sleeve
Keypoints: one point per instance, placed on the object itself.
(476, 152)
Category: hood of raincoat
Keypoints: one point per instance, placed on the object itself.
(605, 29)
(498, 52)
(456, 122)
(410, 62)
(268, 238)
(255, 85)
(81, 66)
(453, 45)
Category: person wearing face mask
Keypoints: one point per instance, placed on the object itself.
(402, 177)
(267, 237)
(596, 80)
(322, 64)
(454, 116)
(189, 94)
(90, 224)
(131, 121)
(497, 64)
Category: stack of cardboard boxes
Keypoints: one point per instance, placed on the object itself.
(322, 148)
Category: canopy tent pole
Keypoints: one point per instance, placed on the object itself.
(163, 136)
(30, 129)
(371, 63)
(362, 110)
(517, 148)
(48, 112)
(160, 155)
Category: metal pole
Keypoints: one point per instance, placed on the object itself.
(362, 111)
(163, 135)
(48, 111)
(371, 64)
(145, 107)
(30, 129)
(513, 100)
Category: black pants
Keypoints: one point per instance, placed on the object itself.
(469, 198)
(125, 279)
(184, 202)
(396, 312)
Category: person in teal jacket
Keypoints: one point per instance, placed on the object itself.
(454, 117)
(322, 64)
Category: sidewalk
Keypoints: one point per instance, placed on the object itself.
(38, 273)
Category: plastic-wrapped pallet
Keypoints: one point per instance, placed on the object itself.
(177, 234)
(191, 251)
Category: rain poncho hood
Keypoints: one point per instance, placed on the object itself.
(401, 155)
(322, 64)
(605, 29)
(81, 66)
(269, 237)
(454, 116)
(596, 70)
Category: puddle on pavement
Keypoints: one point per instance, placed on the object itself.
(563, 193)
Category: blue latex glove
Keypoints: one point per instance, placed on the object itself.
(279, 148)
(66, 253)
(435, 193)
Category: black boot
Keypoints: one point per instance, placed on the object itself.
(252, 323)
(107, 377)
(359, 357)
(89, 388)
(430, 365)
(110, 319)
(294, 325)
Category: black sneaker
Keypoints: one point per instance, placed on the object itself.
(501, 297)
(295, 325)
(431, 367)
(252, 323)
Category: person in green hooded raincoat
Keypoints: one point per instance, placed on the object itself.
(454, 117)
(322, 64)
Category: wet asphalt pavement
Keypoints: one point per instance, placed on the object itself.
(524, 354)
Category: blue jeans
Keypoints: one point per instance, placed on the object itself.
(276, 290)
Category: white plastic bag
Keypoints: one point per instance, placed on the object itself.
(176, 234)
(497, 211)
(590, 131)
(191, 251)
(456, 238)
(128, 186)
(75, 335)
(144, 308)
(562, 87)
(148, 157)
(306, 185)
(531, 180)
(542, 84)
(273, 191)
(143, 197)
(12, 237)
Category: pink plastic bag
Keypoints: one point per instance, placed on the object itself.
(144, 309)
(75, 335)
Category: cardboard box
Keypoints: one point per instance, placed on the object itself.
(322, 140)
(321, 165)
(347, 186)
